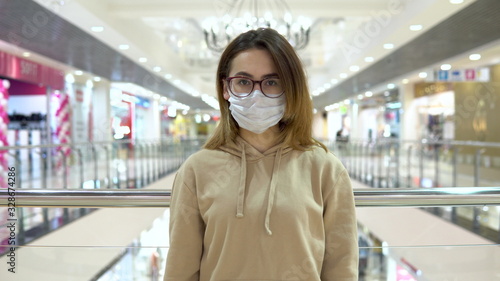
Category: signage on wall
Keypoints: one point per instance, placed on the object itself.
(427, 89)
(463, 75)
(28, 71)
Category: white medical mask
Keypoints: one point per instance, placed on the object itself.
(256, 112)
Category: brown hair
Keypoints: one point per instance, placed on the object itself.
(296, 124)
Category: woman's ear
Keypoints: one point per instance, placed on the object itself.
(225, 92)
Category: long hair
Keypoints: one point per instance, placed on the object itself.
(296, 124)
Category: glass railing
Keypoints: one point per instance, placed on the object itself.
(90, 165)
(435, 255)
(395, 163)
(83, 166)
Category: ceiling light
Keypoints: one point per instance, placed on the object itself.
(368, 93)
(327, 85)
(276, 14)
(369, 59)
(354, 68)
(387, 93)
(456, 1)
(347, 101)
(177, 81)
(156, 69)
(78, 72)
(343, 75)
(391, 86)
(97, 79)
(168, 76)
(416, 27)
(422, 75)
(405, 81)
(445, 66)
(388, 46)
(475, 57)
(124, 47)
(143, 59)
(334, 81)
(97, 28)
(360, 97)
(26, 54)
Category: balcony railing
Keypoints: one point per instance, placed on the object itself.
(103, 198)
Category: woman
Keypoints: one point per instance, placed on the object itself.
(263, 200)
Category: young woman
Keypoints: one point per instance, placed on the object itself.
(263, 200)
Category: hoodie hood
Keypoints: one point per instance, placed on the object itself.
(247, 153)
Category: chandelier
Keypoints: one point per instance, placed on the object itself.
(240, 16)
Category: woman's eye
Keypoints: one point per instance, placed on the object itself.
(272, 82)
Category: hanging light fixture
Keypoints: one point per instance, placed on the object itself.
(244, 15)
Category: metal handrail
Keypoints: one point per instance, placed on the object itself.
(108, 198)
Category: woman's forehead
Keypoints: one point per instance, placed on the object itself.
(255, 62)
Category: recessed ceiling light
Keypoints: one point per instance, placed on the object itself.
(391, 86)
(354, 68)
(475, 57)
(416, 27)
(97, 79)
(405, 81)
(445, 66)
(456, 1)
(369, 59)
(334, 81)
(388, 46)
(78, 72)
(97, 28)
(143, 59)
(343, 75)
(422, 74)
(124, 47)
(360, 97)
(368, 93)
(156, 69)
(26, 54)
(168, 76)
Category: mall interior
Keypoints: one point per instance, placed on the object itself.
(101, 102)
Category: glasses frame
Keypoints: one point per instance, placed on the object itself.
(228, 80)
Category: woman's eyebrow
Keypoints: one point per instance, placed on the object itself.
(246, 74)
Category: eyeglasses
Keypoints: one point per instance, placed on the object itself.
(242, 86)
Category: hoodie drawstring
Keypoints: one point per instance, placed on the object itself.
(241, 188)
(272, 191)
(272, 188)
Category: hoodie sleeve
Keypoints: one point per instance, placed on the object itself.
(341, 246)
(186, 234)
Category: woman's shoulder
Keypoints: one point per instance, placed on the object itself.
(203, 157)
(318, 153)
(322, 159)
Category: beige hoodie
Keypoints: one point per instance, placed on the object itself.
(238, 214)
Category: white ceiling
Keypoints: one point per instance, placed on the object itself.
(169, 33)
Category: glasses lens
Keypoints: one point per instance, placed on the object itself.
(272, 87)
(241, 86)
